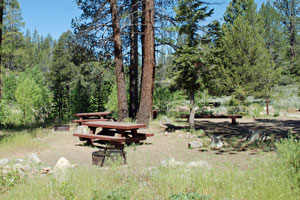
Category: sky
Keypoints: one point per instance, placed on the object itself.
(55, 16)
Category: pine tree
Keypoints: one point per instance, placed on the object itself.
(1, 32)
(273, 34)
(246, 60)
(12, 37)
(189, 14)
(61, 75)
(290, 13)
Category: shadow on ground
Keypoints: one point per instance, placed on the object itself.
(276, 127)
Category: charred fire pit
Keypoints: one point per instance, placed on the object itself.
(61, 128)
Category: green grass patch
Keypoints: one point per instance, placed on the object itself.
(264, 178)
(22, 141)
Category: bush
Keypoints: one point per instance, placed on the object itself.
(289, 154)
(188, 196)
(164, 99)
(112, 103)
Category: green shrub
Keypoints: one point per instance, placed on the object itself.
(188, 196)
(112, 103)
(9, 177)
(289, 154)
(164, 99)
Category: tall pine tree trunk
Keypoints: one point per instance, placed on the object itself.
(192, 109)
(133, 69)
(1, 31)
(142, 40)
(121, 88)
(145, 108)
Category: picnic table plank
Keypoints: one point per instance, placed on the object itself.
(114, 125)
(112, 130)
(92, 114)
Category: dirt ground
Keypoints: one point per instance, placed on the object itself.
(172, 145)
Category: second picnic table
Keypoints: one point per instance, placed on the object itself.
(88, 117)
(114, 132)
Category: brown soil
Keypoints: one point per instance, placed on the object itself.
(174, 144)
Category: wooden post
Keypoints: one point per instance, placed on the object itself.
(267, 105)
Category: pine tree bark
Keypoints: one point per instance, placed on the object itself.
(192, 109)
(142, 41)
(120, 77)
(133, 69)
(1, 31)
(145, 108)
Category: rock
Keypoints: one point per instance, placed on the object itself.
(74, 165)
(216, 142)
(62, 165)
(255, 136)
(292, 110)
(4, 161)
(81, 130)
(19, 160)
(171, 162)
(165, 120)
(200, 163)
(45, 170)
(195, 144)
(35, 159)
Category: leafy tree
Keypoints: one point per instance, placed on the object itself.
(33, 96)
(9, 87)
(189, 14)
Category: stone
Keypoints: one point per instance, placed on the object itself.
(45, 170)
(171, 162)
(4, 161)
(35, 159)
(81, 130)
(292, 110)
(255, 136)
(216, 142)
(195, 144)
(165, 120)
(200, 163)
(19, 160)
(62, 165)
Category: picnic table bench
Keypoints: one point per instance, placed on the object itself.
(233, 117)
(116, 133)
(90, 117)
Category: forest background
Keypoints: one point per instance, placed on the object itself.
(246, 54)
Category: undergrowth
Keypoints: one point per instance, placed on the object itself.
(264, 178)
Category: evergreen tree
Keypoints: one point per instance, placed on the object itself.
(290, 11)
(61, 75)
(1, 32)
(237, 8)
(273, 34)
(189, 14)
(13, 44)
(246, 60)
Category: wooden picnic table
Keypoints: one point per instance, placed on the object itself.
(114, 132)
(100, 115)
(233, 117)
(87, 117)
